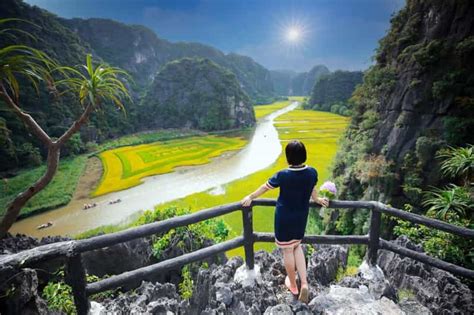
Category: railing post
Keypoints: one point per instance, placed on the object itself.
(374, 236)
(248, 236)
(76, 278)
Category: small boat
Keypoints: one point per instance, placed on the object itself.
(44, 225)
(115, 201)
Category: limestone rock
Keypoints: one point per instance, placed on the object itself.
(24, 298)
(325, 262)
(341, 300)
(439, 290)
(197, 94)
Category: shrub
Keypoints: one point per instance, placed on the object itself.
(91, 146)
(372, 168)
(186, 285)
(458, 162)
(458, 130)
(186, 238)
(446, 246)
(452, 201)
(58, 294)
(429, 53)
(29, 154)
(74, 145)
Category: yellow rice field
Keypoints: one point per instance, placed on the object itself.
(126, 166)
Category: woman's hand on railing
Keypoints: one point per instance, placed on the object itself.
(247, 201)
(322, 201)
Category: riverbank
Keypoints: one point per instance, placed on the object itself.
(58, 193)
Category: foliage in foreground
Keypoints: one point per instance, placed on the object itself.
(453, 204)
(58, 294)
(446, 246)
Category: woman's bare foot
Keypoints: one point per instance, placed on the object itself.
(293, 290)
(304, 293)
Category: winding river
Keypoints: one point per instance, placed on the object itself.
(262, 150)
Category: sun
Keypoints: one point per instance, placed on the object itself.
(293, 34)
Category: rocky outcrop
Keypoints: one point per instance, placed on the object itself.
(229, 288)
(12, 244)
(416, 99)
(439, 290)
(220, 289)
(131, 255)
(343, 300)
(24, 297)
(323, 265)
(149, 298)
(198, 94)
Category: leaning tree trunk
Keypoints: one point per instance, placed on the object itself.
(15, 206)
(54, 147)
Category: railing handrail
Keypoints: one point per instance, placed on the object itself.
(76, 273)
(69, 248)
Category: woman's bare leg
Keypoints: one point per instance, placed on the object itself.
(300, 265)
(289, 260)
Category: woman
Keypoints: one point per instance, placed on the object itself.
(297, 184)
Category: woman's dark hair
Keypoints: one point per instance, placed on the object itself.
(295, 152)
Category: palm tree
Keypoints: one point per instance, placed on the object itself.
(453, 199)
(94, 85)
(458, 162)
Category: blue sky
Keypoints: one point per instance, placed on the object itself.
(342, 34)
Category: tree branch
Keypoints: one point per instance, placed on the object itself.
(76, 125)
(26, 118)
(15, 206)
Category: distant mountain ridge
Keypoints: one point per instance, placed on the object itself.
(140, 51)
(197, 94)
(287, 82)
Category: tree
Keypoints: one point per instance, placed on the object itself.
(94, 86)
(458, 162)
(454, 200)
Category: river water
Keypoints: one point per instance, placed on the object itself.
(262, 150)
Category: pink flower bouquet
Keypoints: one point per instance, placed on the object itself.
(328, 190)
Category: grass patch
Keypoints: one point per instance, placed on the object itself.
(58, 193)
(125, 167)
(406, 294)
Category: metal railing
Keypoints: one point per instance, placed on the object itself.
(76, 275)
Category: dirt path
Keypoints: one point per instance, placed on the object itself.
(89, 179)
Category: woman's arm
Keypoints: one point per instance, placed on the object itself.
(247, 201)
(322, 201)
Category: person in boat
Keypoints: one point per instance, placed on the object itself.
(44, 225)
(297, 185)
